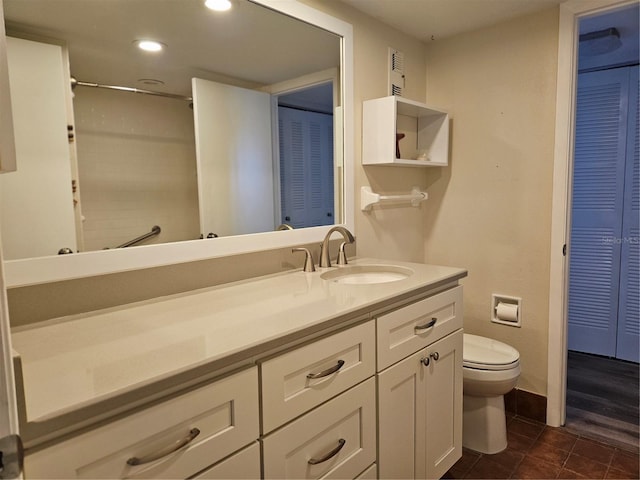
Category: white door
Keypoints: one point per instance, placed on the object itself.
(234, 158)
(37, 199)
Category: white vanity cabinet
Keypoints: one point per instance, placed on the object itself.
(420, 396)
(348, 390)
(177, 438)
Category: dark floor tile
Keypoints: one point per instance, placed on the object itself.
(594, 450)
(548, 453)
(557, 437)
(526, 428)
(532, 467)
(486, 467)
(519, 442)
(508, 458)
(585, 466)
(568, 474)
(619, 474)
(462, 466)
(626, 462)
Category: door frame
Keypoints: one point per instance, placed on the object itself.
(571, 12)
(8, 402)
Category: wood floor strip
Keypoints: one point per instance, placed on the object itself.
(603, 398)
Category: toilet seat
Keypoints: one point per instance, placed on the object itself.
(483, 353)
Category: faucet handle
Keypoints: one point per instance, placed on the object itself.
(308, 260)
(342, 256)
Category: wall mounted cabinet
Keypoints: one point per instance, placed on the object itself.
(426, 133)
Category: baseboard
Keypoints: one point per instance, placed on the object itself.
(526, 404)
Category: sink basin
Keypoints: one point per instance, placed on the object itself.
(367, 274)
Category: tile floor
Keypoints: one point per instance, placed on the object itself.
(541, 452)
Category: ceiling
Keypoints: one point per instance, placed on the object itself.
(435, 19)
(248, 46)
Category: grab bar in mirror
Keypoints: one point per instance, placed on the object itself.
(155, 230)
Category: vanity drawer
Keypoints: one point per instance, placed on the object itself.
(225, 413)
(342, 430)
(408, 329)
(244, 465)
(338, 362)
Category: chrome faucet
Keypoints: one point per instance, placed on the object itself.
(324, 247)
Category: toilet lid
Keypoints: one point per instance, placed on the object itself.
(488, 354)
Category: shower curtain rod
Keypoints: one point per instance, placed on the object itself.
(75, 82)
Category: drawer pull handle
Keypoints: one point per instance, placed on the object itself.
(426, 326)
(193, 433)
(331, 454)
(327, 372)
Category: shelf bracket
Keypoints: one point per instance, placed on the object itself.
(368, 198)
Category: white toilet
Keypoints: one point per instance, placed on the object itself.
(490, 369)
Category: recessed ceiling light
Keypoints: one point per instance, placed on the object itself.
(218, 5)
(149, 45)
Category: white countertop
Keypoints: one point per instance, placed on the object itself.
(79, 360)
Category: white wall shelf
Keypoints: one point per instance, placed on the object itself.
(425, 129)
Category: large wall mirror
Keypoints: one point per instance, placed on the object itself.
(234, 137)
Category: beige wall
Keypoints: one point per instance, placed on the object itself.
(491, 210)
(393, 232)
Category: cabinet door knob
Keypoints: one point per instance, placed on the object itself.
(331, 454)
(425, 361)
(435, 356)
(163, 452)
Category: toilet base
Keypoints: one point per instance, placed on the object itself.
(484, 426)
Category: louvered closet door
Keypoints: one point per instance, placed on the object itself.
(596, 224)
(306, 167)
(629, 307)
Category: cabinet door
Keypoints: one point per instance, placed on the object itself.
(443, 382)
(402, 419)
(420, 412)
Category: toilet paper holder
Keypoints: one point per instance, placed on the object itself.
(506, 310)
